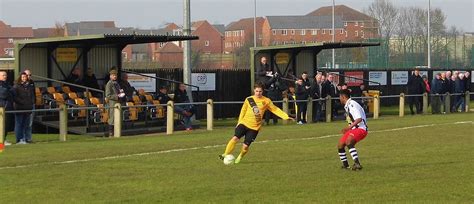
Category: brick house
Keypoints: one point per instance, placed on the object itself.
(9, 34)
(76, 28)
(241, 32)
(168, 55)
(48, 32)
(358, 25)
(282, 30)
(210, 39)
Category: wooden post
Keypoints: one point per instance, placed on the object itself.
(328, 109)
(309, 110)
(402, 105)
(170, 118)
(425, 103)
(376, 106)
(210, 114)
(467, 100)
(62, 122)
(447, 103)
(118, 117)
(2, 124)
(286, 109)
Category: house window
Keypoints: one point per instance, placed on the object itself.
(8, 51)
(284, 32)
(346, 34)
(330, 32)
(324, 31)
(293, 32)
(356, 23)
(10, 40)
(362, 24)
(284, 42)
(206, 43)
(303, 42)
(345, 24)
(303, 32)
(362, 33)
(356, 33)
(227, 33)
(342, 31)
(162, 44)
(314, 32)
(124, 55)
(274, 32)
(242, 33)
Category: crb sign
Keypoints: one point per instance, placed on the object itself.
(205, 81)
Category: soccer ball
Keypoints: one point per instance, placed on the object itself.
(229, 159)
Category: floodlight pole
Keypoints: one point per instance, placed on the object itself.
(429, 34)
(187, 48)
(333, 35)
(255, 23)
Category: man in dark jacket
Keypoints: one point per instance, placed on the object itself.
(265, 74)
(181, 96)
(315, 94)
(436, 90)
(415, 86)
(301, 96)
(330, 89)
(460, 89)
(24, 101)
(90, 80)
(29, 130)
(162, 95)
(6, 101)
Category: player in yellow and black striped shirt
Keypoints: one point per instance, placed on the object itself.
(250, 121)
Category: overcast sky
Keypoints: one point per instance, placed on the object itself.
(154, 13)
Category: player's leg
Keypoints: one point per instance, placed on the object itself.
(250, 136)
(239, 133)
(342, 152)
(355, 136)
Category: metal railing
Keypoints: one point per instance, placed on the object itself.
(118, 111)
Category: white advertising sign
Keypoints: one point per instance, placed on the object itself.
(472, 76)
(142, 82)
(205, 81)
(399, 77)
(380, 77)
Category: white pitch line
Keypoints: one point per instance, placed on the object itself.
(215, 146)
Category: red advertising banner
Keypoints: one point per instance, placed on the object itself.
(352, 81)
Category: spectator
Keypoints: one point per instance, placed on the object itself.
(187, 111)
(23, 100)
(315, 93)
(427, 84)
(91, 81)
(460, 89)
(330, 89)
(29, 129)
(292, 97)
(436, 90)
(128, 89)
(113, 94)
(6, 101)
(75, 78)
(274, 92)
(452, 90)
(163, 95)
(467, 81)
(301, 104)
(265, 73)
(415, 86)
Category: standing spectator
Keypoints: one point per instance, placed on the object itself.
(6, 101)
(315, 93)
(306, 82)
(113, 93)
(75, 78)
(23, 100)
(91, 81)
(467, 81)
(436, 90)
(291, 97)
(427, 84)
(29, 129)
(329, 89)
(274, 92)
(181, 96)
(452, 90)
(460, 89)
(301, 97)
(415, 87)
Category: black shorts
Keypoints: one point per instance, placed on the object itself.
(250, 135)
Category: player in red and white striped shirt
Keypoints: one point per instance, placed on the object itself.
(355, 132)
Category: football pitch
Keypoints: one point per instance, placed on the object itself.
(423, 158)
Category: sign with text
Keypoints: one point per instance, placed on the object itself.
(282, 58)
(66, 54)
(142, 82)
(353, 78)
(205, 81)
(399, 77)
(380, 77)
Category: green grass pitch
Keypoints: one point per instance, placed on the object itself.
(422, 158)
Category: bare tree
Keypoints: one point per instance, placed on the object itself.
(386, 14)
